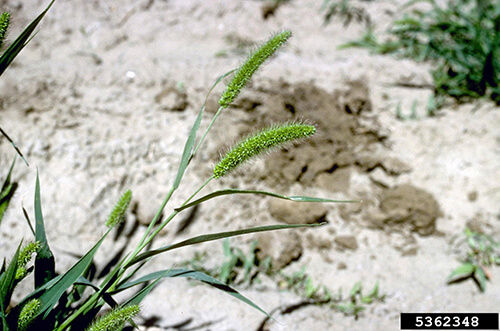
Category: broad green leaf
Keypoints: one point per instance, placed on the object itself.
(52, 295)
(194, 275)
(463, 271)
(297, 198)
(44, 260)
(21, 41)
(216, 236)
(8, 280)
(14, 145)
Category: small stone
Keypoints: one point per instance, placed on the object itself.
(380, 177)
(291, 212)
(346, 242)
(341, 266)
(395, 167)
(472, 196)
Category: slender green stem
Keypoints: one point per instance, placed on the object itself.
(171, 216)
(140, 247)
(206, 131)
(82, 308)
(157, 216)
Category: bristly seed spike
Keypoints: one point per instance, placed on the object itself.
(254, 61)
(261, 142)
(118, 213)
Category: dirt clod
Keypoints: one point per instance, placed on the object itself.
(407, 205)
(297, 213)
(172, 98)
(346, 242)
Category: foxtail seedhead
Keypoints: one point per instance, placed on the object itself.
(115, 319)
(28, 313)
(118, 213)
(261, 142)
(4, 24)
(254, 61)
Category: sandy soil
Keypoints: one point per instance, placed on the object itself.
(104, 96)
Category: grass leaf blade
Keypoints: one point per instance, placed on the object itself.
(14, 145)
(53, 294)
(216, 236)
(188, 149)
(21, 41)
(44, 261)
(194, 275)
(297, 198)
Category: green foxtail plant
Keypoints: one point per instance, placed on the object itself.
(76, 297)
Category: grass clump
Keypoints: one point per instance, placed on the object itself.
(75, 297)
(461, 39)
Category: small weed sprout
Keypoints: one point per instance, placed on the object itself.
(484, 252)
(461, 38)
(240, 268)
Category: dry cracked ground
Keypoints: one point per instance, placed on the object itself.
(102, 100)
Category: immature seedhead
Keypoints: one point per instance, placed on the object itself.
(115, 319)
(261, 142)
(254, 61)
(24, 257)
(118, 213)
(28, 313)
(4, 24)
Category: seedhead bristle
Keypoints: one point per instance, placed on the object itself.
(4, 25)
(261, 142)
(115, 319)
(28, 313)
(118, 213)
(25, 257)
(254, 61)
